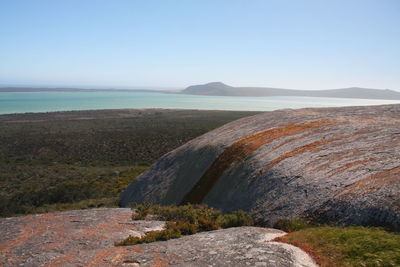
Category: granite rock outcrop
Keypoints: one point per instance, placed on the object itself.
(327, 164)
(87, 237)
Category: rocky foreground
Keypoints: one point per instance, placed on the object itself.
(329, 165)
(86, 238)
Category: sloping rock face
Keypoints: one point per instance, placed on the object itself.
(86, 238)
(333, 164)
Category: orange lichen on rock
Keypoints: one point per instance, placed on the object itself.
(371, 183)
(344, 167)
(73, 238)
(241, 149)
(26, 232)
(314, 146)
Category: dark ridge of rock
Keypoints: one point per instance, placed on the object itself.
(86, 238)
(329, 164)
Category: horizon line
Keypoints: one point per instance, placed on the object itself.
(99, 87)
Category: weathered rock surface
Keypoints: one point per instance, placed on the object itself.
(86, 238)
(330, 164)
(71, 238)
(242, 246)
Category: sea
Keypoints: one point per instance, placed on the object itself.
(26, 102)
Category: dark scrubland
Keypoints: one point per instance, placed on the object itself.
(82, 159)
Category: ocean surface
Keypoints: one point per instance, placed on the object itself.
(63, 101)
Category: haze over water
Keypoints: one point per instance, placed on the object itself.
(64, 101)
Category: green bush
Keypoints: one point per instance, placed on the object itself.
(235, 219)
(183, 227)
(141, 211)
(188, 212)
(185, 220)
(292, 225)
(207, 225)
(150, 237)
(130, 240)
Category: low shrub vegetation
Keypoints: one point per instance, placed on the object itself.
(110, 202)
(185, 220)
(62, 187)
(150, 237)
(60, 160)
(348, 246)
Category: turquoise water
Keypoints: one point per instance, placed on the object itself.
(61, 101)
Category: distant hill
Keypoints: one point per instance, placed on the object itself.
(221, 89)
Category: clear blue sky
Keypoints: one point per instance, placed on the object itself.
(310, 44)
